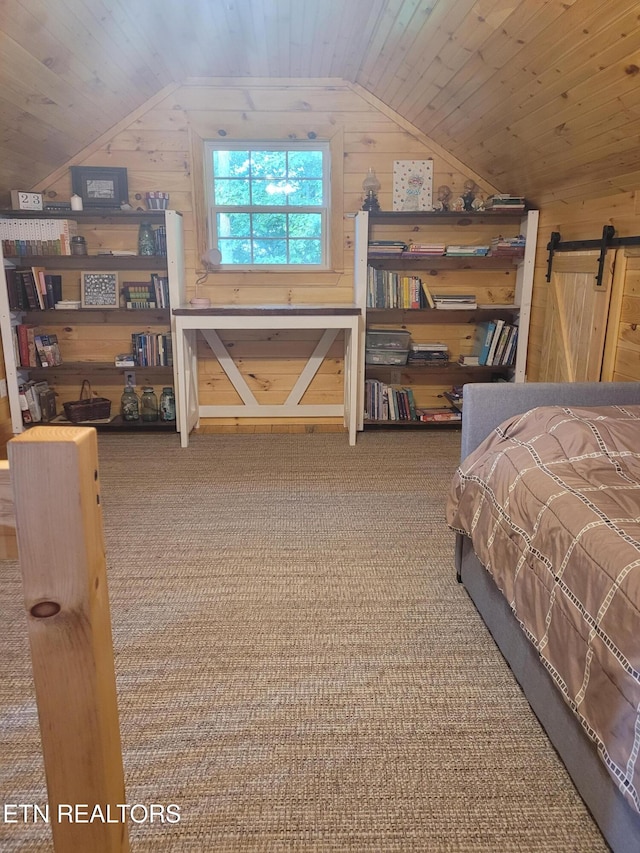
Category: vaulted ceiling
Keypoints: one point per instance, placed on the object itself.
(539, 95)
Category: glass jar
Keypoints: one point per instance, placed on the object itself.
(167, 405)
(149, 404)
(78, 246)
(146, 239)
(130, 405)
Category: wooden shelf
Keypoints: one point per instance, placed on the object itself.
(84, 367)
(87, 316)
(452, 372)
(451, 218)
(102, 216)
(413, 424)
(425, 263)
(92, 262)
(118, 425)
(439, 315)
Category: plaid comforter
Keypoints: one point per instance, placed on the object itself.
(551, 501)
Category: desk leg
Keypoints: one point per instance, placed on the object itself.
(187, 382)
(351, 380)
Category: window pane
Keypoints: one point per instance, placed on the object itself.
(234, 225)
(307, 193)
(231, 164)
(306, 164)
(269, 164)
(232, 192)
(269, 251)
(235, 251)
(270, 224)
(305, 225)
(305, 252)
(269, 192)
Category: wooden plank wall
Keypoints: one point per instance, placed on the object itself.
(161, 148)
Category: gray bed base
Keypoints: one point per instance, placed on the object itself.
(485, 406)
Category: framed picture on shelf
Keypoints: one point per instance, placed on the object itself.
(412, 184)
(100, 187)
(99, 290)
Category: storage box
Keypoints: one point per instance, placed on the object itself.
(387, 339)
(385, 356)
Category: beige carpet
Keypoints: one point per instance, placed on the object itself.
(297, 668)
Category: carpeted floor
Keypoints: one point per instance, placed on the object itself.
(297, 668)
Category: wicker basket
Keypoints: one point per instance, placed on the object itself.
(88, 407)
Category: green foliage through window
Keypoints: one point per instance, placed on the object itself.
(269, 205)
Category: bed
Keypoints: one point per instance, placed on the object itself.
(546, 509)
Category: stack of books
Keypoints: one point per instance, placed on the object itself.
(439, 415)
(429, 354)
(428, 249)
(139, 294)
(508, 247)
(387, 247)
(455, 301)
(504, 201)
(467, 251)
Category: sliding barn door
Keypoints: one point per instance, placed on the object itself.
(576, 318)
(622, 348)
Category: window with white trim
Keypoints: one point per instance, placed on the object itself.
(269, 203)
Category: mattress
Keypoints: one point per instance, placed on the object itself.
(551, 503)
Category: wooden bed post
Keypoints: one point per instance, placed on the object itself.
(54, 473)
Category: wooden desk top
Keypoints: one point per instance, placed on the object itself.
(269, 310)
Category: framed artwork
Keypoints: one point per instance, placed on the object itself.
(413, 185)
(100, 187)
(99, 290)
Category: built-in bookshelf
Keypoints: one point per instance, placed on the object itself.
(444, 276)
(49, 294)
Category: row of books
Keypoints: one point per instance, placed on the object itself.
(151, 349)
(388, 289)
(425, 250)
(32, 289)
(34, 348)
(37, 236)
(384, 402)
(496, 342)
(37, 402)
(395, 403)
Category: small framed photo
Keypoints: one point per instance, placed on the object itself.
(99, 290)
(100, 187)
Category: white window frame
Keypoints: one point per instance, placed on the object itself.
(212, 145)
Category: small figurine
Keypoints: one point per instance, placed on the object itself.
(443, 198)
(469, 194)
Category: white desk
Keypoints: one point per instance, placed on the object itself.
(208, 321)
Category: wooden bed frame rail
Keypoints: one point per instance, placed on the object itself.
(50, 498)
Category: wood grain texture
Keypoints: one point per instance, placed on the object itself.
(62, 559)
(532, 96)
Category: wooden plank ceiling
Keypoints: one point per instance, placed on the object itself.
(538, 96)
